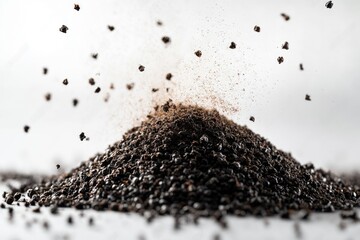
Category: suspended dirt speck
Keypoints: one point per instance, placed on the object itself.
(112, 86)
(26, 128)
(252, 118)
(65, 81)
(301, 67)
(232, 45)
(285, 16)
(57, 166)
(97, 90)
(257, 28)
(76, 7)
(141, 68)
(94, 55)
(45, 70)
(329, 4)
(198, 53)
(63, 29)
(154, 90)
(307, 97)
(111, 28)
(166, 39)
(130, 86)
(280, 59)
(82, 136)
(91, 81)
(75, 102)
(159, 23)
(168, 76)
(48, 97)
(285, 46)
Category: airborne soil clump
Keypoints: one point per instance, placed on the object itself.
(185, 160)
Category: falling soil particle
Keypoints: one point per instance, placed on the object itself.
(285, 16)
(301, 67)
(232, 45)
(45, 70)
(97, 90)
(77, 7)
(141, 68)
(154, 90)
(307, 97)
(130, 86)
(329, 4)
(252, 119)
(257, 29)
(198, 53)
(48, 96)
(57, 166)
(65, 82)
(166, 39)
(280, 59)
(63, 29)
(82, 136)
(91, 81)
(111, 28)
(26, 128)
(168, 76)
(285, 46)
(94, 55)
(75, 102)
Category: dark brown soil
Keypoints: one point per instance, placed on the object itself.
(185, 160)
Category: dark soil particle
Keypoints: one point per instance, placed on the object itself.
(159, 23)
(130, 86)
(285, 46)
(280, 59)
(307, 97)
(301, 66)
(58, 166)
(154, 90)
(94, 55)
(329, 4)
(111, 28)
(63, 29)
(77, 7)
(198, 53)
(285, 16)
(45, 70)
(48, 97)
(232, 45)
(257, 29)
(65, 82)
(252, 119)
(97, 90)
(75, 102)
(26, 128)
(166, 39)
(188, 161)
(141, 68)
(91, 81)
(168, 76)
(82, 136)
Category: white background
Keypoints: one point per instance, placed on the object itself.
(241, 82)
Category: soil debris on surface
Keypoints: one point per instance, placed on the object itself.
(285, 46)
(329, 4)
(111, 28)
(189, 161)
(65, 81)
(257, 28)
(166, 39)
(26, 128)
(280, 59)
(232, 45)
(307, 97)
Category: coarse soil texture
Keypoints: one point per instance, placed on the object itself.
(186, 160)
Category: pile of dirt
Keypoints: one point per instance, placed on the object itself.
(186, 160)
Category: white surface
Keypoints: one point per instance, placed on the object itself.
(113, 225)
